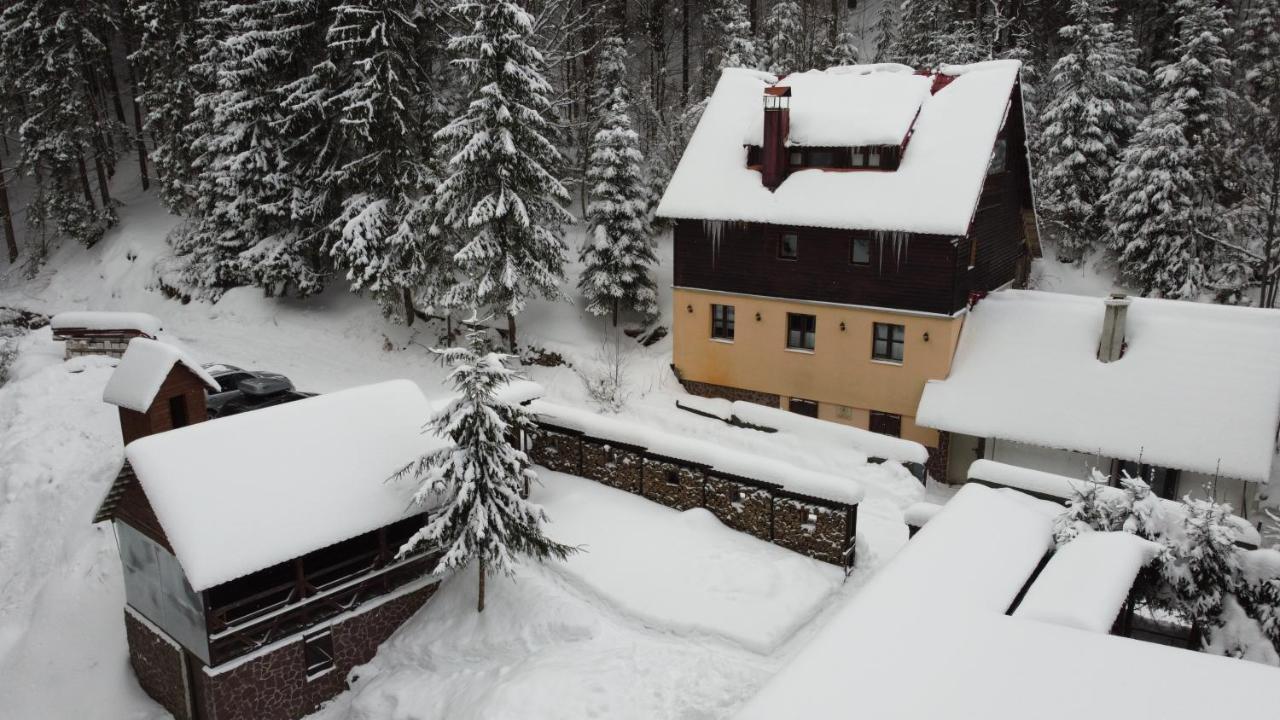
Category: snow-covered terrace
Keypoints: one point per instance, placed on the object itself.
(1197, 388)
(928, 638)
(944, 165)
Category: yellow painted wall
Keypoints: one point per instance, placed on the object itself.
(838, 372)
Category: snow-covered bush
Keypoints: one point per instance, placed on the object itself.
(8, 353)
(606, 378)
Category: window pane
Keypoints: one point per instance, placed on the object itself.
(873, 158)
(797, 158)
(855, 158)
(861, 253)
(788, 245)
(881, 348)
(899, 333)
(821, 158)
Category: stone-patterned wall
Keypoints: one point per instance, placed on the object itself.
(617, 466)
(77, 347)
(274, 686)
(825, 538)
(731, 393)
(742, 507)
(676, 486)
(157, 662)
(556, 450)
(936, 465)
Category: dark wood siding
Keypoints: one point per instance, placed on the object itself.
(917, 276)
(997, 226)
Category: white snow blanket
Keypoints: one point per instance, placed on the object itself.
(873, 444)
(795, 479)
(848, 107)
(245, 492)
(945, 162)
(1086, 582)
(142, 370)
(1197, 388)
(928, 639)
(101, 320)
(684, 572)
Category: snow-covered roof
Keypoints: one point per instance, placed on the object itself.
(944, 165)
(245, 492)
(142, 370)
(1086, 582)
(734, 462)
(96, 320)
(1197, 388)
(848, 106)
(927, 638)
(873, 444)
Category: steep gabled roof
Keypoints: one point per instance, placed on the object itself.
(935, 190)
(1198, 387)
(143, 369)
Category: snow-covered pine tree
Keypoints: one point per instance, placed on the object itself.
(1258, 149)
(884, 31)
(388, 110)
(843, 50)
(1207, 565)
(502, 198)
(618, 250)
(47, 47)
(1094, 108)
(475, 483)
(726, 32)
(1163, 203)
(933, 32)
(162, 62)
(783, 36)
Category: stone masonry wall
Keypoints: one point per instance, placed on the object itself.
(742, 507)
(615, 466)
(753, 509)
(676, 486)
(936, 465)
(823, 538)
(157, 663)
(731, 393)
(274, 686)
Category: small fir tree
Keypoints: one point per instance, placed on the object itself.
(783, 37)
(1094, 109)
(1207, 565)
(843, 50)
(885, 31)
(502, 199)
(1164, 201)
(475, 484)
(618, 249)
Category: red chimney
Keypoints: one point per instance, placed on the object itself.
(777, 124)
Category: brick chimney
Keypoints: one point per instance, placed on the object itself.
(777, 124)
(1111, 348)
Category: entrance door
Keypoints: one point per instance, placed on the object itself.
(886, 424)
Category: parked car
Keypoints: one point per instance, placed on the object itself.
(240, 390)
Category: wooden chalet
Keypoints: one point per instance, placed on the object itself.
(261, 551)
(832, 228)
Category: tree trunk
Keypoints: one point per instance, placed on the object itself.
(84, 182)
(103, 189)
(10, 240)
(1271, 283)
(511, 332)
(115, 86)
(448, 329)
(754, 7)
(408, 306)
(615, 312)
(835, 21)
(684, 49)
(140, 143)
(480, 595)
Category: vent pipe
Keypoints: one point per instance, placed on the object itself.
(1111, 348)
(777, 125)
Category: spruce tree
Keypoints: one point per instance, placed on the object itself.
(842, 51)
(386, 105)
(618, 250)
(783, 37)
(476, 482)
(933, 32)
(1207, 565)
(726, 31)
(1093, 110)
(502, 197)
(1258, 144)
(1163, 203)
(885, 31)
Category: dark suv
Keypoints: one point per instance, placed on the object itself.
(241, 390)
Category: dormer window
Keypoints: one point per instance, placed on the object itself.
(873, 157)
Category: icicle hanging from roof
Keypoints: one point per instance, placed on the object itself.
(714, 229)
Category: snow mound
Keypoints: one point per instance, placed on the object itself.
(101, 320)
(843, 109)
(873, 444)
(1086, 582)
(143, 369)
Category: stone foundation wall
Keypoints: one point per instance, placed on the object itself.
(158, 663)
(815, 530)
(936, 465)
(274, 685)
(760, 510)
(77, 347)
(731, 393)
(614, 465)
(742, 507)
(676, 486)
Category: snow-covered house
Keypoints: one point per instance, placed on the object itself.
(100, 332)
(1006, 644)
(1188, 394)
(831, 227)
(260, 550)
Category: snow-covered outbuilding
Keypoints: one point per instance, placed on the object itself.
(891, 651)
(157, 387)
(1187, 394)
(260, 550)
(91, 332)
(831, 227)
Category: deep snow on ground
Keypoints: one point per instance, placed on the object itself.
(581, 640)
